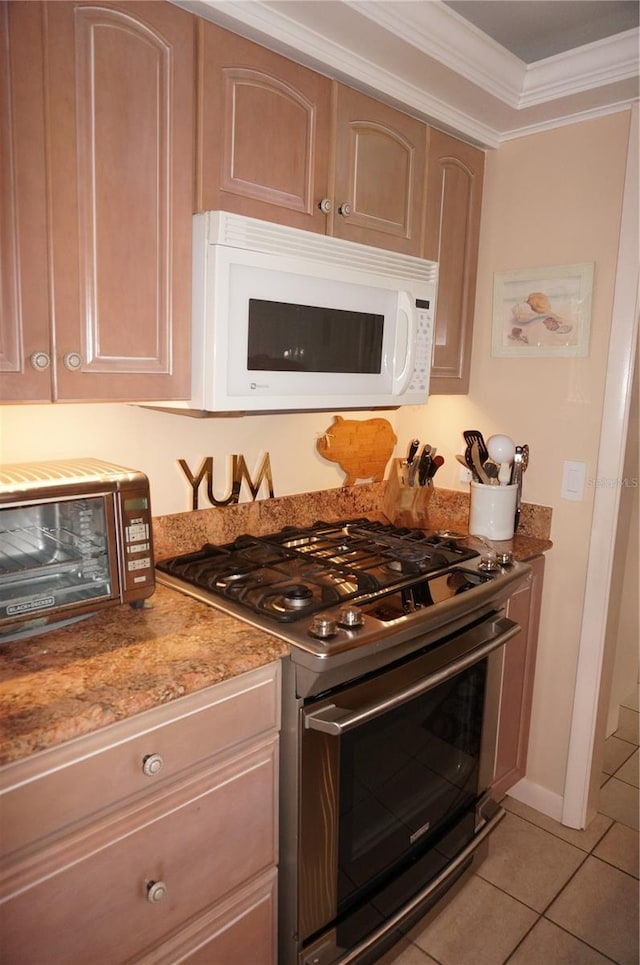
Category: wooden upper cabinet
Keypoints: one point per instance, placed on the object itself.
(454, 200)
(379, 174)
(276, 140)
(263, 132)
(120, 116)
(25, 325)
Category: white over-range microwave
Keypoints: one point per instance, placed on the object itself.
(284, 319)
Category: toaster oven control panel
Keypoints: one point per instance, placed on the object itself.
(137, 544)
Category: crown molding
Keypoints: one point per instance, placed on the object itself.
(584, 68)
(492, 85)
(260, 22)
(567, 119)
(439, 32)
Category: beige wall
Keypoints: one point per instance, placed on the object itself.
(550, 199)
(555, 199)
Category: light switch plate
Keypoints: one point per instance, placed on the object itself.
(573, 478)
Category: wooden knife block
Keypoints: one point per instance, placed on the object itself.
(403, 504)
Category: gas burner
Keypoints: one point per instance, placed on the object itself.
(289, 602)
(240, 573)
(297, 597)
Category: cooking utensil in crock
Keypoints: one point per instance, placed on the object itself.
(516, 480)
(492, 469)
(475, 461)
(471, 435)
(501, 450)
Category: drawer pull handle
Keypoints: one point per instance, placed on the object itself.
(325, 205)
(156, 890)
(345, 209)
(151, 764)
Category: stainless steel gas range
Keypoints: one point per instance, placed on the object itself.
(390, 707)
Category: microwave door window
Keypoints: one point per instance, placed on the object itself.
(53, 555)
(308, 338)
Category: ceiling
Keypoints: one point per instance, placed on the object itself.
(535, 29)
(487, 70)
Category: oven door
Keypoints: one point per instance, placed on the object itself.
(57, 560)
(393, 774)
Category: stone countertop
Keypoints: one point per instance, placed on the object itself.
(119, 662)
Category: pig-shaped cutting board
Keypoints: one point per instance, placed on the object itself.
(362, 448)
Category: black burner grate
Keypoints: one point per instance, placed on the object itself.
(299, 571)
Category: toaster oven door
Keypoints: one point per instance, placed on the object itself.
(57, 560)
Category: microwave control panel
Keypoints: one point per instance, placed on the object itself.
(424, 345)
(137, 549)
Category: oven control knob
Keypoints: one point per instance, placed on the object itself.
(488, 564)
(322, 626)
(350, 617)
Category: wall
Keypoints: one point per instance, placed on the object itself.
(153, 441)
(552, 198)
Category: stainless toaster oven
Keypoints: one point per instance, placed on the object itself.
(75, 537)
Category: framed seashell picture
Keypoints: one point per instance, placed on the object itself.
(541, 312)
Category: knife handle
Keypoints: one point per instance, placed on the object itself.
(413, 448)
(436, 462)
(424, 465)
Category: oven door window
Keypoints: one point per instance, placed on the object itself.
(406, 778)
(53, 556)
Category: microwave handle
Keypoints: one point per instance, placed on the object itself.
(406, 312)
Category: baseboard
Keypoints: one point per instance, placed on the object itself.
(538, 797)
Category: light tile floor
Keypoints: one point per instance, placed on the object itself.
(546, 894)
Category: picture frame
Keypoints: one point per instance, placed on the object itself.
(542, 312)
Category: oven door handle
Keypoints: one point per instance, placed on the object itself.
(338, 720)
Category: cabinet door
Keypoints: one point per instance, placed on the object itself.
(454, 200)
(517, 682)
(108, 895)
(119, 101)
(379, 174)
(263, 133)
(25, 349)
(240, 931)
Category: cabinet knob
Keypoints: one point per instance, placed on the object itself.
(345, 209)
(156, 890)
(325, 205)
(151, 764)
(72, 361)
(40, 361)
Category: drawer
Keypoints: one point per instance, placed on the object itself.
(241, 931)
(88, 776)
(189, 850)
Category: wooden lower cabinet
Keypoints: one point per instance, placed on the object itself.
(518, 673)
(243, 932)
(186, 871)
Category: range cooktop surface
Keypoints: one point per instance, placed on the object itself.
(336, 586)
